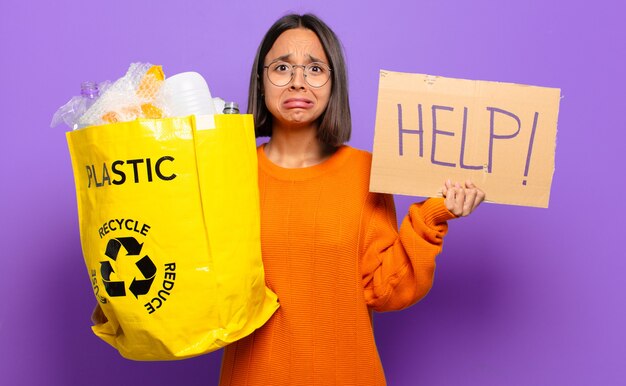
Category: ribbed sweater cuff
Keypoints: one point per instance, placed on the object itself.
(434, 212)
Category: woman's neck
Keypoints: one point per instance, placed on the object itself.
(296, 148)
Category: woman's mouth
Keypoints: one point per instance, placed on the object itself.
(297, 103)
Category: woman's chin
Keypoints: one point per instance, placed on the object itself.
(298, 118)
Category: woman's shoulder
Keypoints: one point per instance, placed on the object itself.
(357, 163)
(357, 155)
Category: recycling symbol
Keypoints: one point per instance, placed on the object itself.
(145, 265)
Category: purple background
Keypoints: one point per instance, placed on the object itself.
(522, 296)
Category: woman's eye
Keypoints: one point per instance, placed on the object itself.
(316, 69)
(282, 67)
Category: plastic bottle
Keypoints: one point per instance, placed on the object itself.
(70, 112)
(231, 108)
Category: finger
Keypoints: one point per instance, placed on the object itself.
(480, 197)
(459, 192)
(450, 199)
(470, 198)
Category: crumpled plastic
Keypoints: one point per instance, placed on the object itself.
(135, 95)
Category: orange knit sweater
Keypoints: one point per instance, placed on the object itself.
(332, 253)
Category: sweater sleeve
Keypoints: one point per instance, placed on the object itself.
(397, 268)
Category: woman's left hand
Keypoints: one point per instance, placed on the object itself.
(462, 200)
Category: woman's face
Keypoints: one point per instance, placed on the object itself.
(297, 103)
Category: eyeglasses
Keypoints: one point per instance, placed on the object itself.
(280, 73)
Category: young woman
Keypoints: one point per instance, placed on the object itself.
(331, 249)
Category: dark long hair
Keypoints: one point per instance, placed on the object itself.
(335, 123)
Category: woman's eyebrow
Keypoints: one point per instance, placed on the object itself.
(314, 59)
(282, 58)
(285, 58)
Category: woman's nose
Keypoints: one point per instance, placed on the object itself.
(298, 80)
